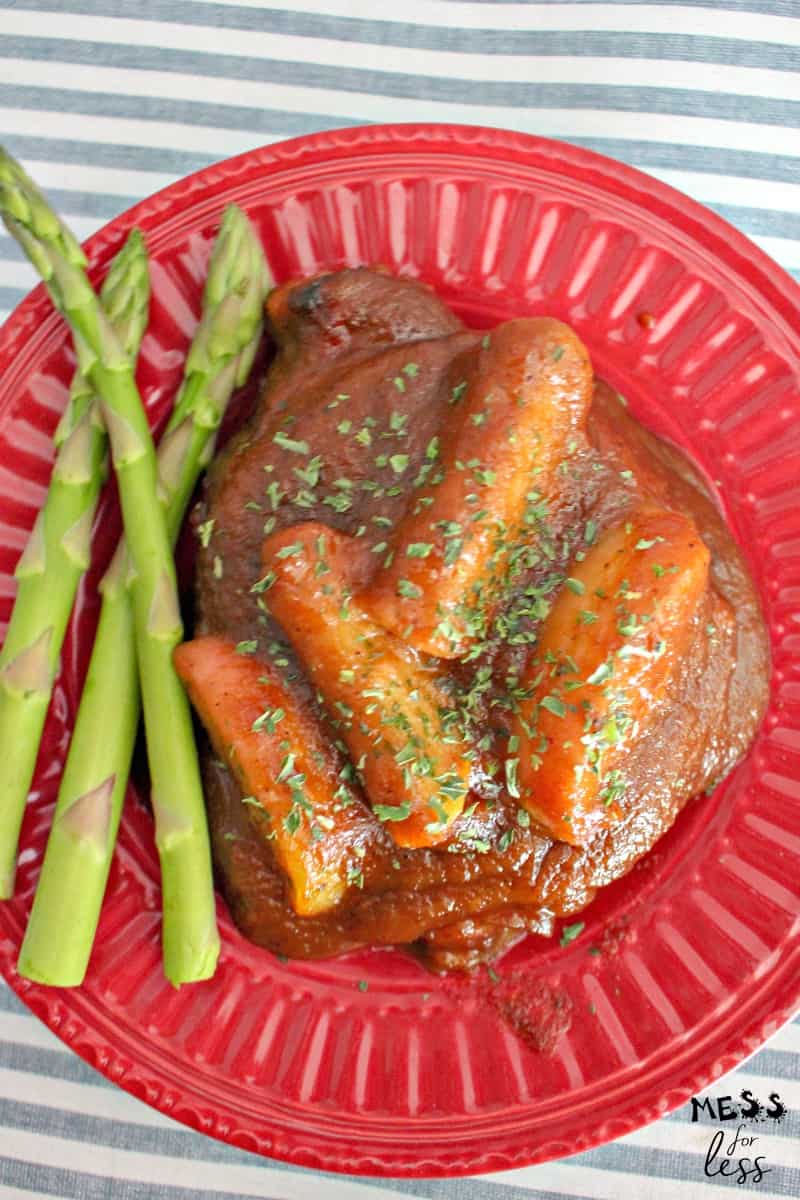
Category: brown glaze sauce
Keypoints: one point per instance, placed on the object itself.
(343, 341)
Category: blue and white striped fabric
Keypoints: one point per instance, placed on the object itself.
(106, 101)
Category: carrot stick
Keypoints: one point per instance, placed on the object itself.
(612, 642)
(293, 784)
(514, 406)
(390, 709)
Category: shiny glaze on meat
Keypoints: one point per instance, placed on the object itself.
(343, 341)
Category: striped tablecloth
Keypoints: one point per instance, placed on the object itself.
(107, 100)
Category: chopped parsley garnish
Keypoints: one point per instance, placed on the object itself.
(204, 532)
(601, 673)
(408, 589)
(291, 444)
(309, 475)
(265, 583)
(506, 840)
(274, 494)
(452, 550)
(398, 463)
(268, 721)
(291, 822)
(392, 812)
(570, 932)
(287, 767)
(355, 875)
(512, 783)
(614, 788)
(339, 501)
(288, 551)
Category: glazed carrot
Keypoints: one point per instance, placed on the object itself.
(515, 405)
(390, 710)
(285, 766)
(613, 639)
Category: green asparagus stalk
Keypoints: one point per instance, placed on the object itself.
(68, 899)
(55, 557)
(189, 930)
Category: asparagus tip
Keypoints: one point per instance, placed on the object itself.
(23, 204)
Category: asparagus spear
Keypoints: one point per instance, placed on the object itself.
(55, 557)
(189, 931)
(78, 857)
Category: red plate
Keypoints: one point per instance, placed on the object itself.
(417, 1076)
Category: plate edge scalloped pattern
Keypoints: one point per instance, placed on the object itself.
(27, 319)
